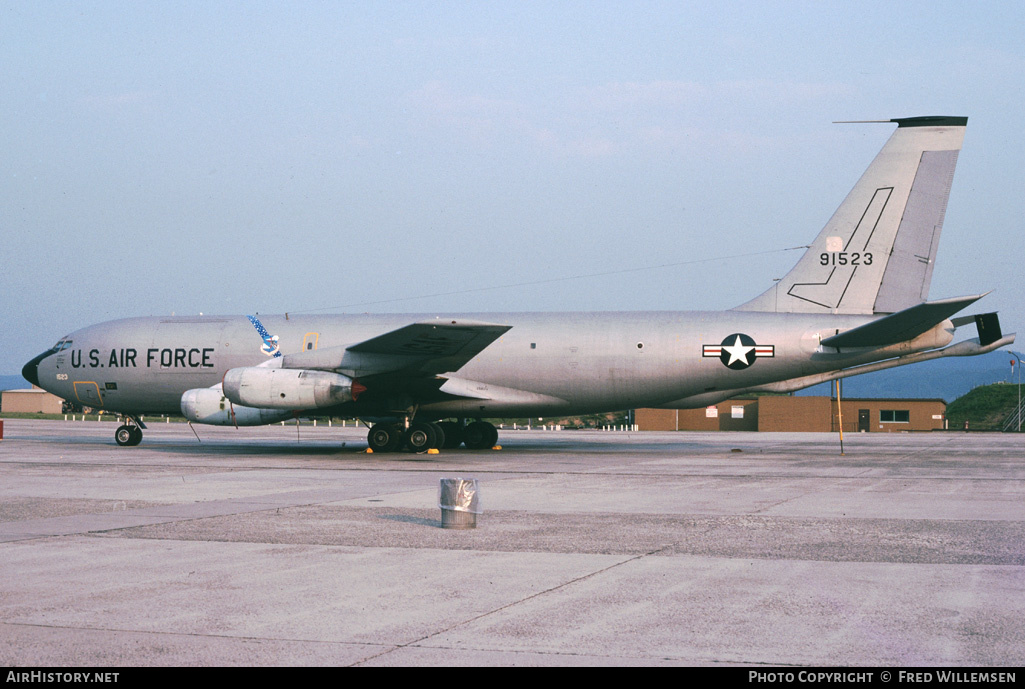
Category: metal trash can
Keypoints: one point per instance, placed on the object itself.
(459, 500)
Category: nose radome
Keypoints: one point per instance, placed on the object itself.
(31, 370)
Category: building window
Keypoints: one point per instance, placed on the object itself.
(894, 416)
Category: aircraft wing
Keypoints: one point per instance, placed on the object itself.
(902, 325)
(418, 349)
(430, 347)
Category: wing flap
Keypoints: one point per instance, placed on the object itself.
(477, 391)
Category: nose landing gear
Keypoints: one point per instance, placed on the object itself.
(129, 434)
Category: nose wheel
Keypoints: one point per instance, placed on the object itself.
(129, 435)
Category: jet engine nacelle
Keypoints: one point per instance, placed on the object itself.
(210, 406)
(285, 388)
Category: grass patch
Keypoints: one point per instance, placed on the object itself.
(985, 408)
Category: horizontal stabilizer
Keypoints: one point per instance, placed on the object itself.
(967, 348)
(903, 325)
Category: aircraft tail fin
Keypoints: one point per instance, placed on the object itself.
(876, 254)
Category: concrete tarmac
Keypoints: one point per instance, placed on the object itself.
(255, 547)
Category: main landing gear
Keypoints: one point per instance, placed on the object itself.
(422, 436)
(129, 434)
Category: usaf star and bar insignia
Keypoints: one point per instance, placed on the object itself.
(738, 351)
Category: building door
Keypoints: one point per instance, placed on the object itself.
(864, 420)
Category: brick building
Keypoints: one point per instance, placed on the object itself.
(34, 401)
(815, 414)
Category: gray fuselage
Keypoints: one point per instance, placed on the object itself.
(568, 363)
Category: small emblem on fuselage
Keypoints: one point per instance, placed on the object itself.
(738, 351)
(270, 342)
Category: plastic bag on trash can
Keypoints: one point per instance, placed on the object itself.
(460, 495)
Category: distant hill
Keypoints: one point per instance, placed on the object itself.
(945, 379)
(14, 383)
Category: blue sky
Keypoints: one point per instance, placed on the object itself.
(264, 157)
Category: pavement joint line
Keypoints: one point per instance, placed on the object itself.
(357, 644)
(784, 501)
(232, 637)
(514, 473)
(475, 618)
(265, 503)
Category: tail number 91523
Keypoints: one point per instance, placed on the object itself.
(845, 258)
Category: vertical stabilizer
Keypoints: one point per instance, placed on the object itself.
(876, 254)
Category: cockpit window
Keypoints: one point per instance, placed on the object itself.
(62, 345)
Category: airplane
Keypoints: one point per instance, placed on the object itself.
(855, 302)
